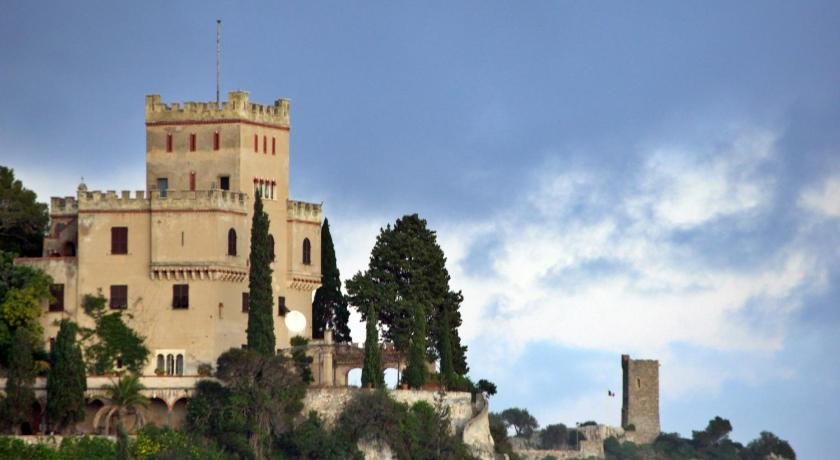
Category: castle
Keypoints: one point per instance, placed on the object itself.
(175, 255)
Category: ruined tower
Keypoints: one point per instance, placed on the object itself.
(640, 398)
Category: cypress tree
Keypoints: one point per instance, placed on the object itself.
(329, 309)
(447, 370)
(415, 371)
(17, 407)
(260, 319)
(372, 370)
(66, 382)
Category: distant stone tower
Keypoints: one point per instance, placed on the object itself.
(640, 399)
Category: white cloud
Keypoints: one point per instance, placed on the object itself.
(823, 198)
(585, 263)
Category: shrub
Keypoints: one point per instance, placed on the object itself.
(312, 440)
(164, 443)
(204, 370)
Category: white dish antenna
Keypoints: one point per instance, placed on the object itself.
(295, 322)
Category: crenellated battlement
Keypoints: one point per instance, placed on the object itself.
(301, 210)
(198, 200)
(237, 107)
(63, 206)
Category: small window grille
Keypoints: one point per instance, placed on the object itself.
(119, 240)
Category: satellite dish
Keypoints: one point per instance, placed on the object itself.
(295, 322)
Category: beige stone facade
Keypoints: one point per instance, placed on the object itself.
(177, 262)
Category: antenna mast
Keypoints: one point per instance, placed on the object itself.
(218, 57)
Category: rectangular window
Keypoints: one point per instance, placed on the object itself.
(119, 240)
(119, 297)
(192, 181)
(224, 182)
(168, 142)
(281, 306)
(192, 142)
(216, 140)
(246, 298)
(56, 297)
(265, 144)
(273, 145)
(163, 186)
(256, 143)
(180, 296)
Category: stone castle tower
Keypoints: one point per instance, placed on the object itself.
(174, 256)
(640, 398)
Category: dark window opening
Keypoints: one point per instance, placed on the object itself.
(231, 242)
(56, 297)
(168, 142)
(160, 364)
(216, 140)
(192, 142)
(180, 296)
(246, 299)
(265, 144)
(52, 344)
(69, 250)
(179, 365)
(119, 297)
(224, 183)
(256, 143)
(271, 246)
(119, 240)
(307, 252)
(281, 306)
(192, 181)
(273, 145)
(163, 186)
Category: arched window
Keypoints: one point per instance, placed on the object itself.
(170, 364)
(307, 252)
(160, 363)
(271, 246)
(179, 365)
(231, 242)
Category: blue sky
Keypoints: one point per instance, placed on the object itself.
(655, 178)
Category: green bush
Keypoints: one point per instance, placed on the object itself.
(164, 443)
(311, 440)
(87, 448)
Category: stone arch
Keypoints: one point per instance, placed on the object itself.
(158, 412)
(92, 406)
(392, 377)
(178, 413)
(353, 377)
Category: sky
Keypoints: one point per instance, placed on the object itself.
(654, 178)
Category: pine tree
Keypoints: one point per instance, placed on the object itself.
(447, 370)
(17, 407)
(415, 371)
(66, 382)
(260, 319)
(329, 309)
(372, 370)
(407, 268)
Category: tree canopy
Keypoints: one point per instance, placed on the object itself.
(17, 405)
(111, 339)
(261, 301)
(406, 276)
(23, 220)
(22, 289)
(329, 309)
(521, 420)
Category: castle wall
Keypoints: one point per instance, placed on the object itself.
(181, 236)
